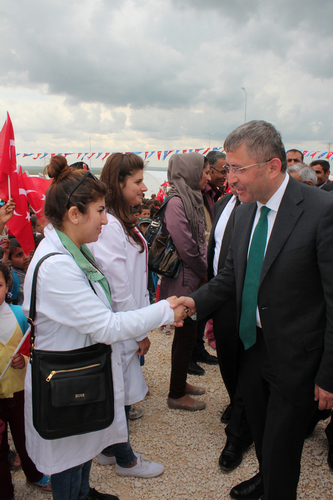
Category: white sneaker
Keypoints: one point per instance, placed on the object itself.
(135, 413)
(143, 468)
(104, 460)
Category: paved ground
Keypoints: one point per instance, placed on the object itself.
(189, 444)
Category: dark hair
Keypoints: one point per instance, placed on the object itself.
(214, 156)
(143, 207)
(13, 244)
(80, 165)
(118, 167)
(323, 163)
(296, 151)
(33, 220)
(153, 211)
(4, 269)
(65, 179)
(262, 141)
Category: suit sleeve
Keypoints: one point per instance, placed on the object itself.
(218, 290)
(324, 378)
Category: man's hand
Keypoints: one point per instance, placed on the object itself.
(187, 303)
(181, 310)
(143, 346)
(324, 398)
(18, 361)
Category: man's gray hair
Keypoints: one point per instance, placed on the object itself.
(214, 156)
(262, 140)
(305, 172)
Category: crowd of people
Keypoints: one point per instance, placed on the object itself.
(252, 228)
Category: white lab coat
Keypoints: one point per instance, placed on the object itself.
(126, 271)
(69, 316)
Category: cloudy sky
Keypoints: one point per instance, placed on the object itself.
(164, 74)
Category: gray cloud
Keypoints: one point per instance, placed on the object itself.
(167, 71)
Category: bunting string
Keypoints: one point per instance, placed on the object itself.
(161, 155)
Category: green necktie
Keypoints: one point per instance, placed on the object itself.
(248, 326)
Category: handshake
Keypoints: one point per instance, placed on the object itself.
(182, 308)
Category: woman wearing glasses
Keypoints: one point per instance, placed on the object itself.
(74, 310)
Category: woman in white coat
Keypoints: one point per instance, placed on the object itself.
(121, 253)
(71, 315)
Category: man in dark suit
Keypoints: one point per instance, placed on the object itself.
(226, 335)
(286, 321)
(322, 169)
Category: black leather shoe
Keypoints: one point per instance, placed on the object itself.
(319, 415)
(205, 357)
(231, 457)
(330, 458)
(95, 495)
(253, 489)
(226, 416)
(195, 369)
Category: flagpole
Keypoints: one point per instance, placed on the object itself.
(9, 193)
(16, 350)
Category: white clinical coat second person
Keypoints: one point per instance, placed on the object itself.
(127, 273)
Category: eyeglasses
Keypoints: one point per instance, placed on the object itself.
(78, 184)
(224, 171)
(238, 170)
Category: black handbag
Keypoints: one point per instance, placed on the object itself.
(163, 258)
(72, 391)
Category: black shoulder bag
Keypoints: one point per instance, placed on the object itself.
(72, 391)
(163, 258)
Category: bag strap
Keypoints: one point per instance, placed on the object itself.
(32, 310)
(157, 221)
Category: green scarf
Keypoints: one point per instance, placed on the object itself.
(82, 258)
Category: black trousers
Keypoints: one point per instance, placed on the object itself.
(12, 413)
(277, 425)
(182, 348)
(227, 347)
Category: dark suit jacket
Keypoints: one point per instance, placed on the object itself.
(218, 209)
(328, 186)
(295, 297)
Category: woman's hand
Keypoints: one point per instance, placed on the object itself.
(18, 361)
(181, 310)
(143, 346)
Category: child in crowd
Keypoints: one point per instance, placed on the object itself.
(37, 226)
(13, 326)
(144, 211)
(19, 264)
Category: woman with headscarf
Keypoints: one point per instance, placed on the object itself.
(184, 220)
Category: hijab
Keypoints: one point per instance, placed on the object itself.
(184, 174)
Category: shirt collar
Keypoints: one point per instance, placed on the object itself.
(274, 202)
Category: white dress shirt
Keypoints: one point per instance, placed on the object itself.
(273, 204)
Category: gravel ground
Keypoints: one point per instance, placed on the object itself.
(189, 444)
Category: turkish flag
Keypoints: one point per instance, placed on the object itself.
(19, 225)
(24, 345)
(35, 188)
(160, 195)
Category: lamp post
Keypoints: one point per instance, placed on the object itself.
(245, 103)
(209, 138)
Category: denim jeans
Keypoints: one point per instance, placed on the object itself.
(122, 451)
(71, 484)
